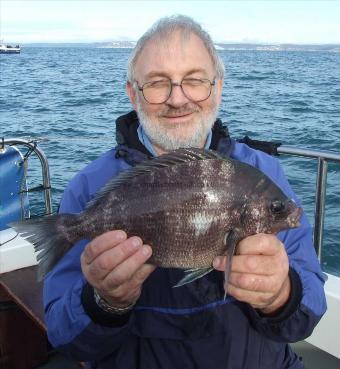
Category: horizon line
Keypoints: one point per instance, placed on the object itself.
(216, 43)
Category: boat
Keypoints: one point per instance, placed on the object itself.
(19, 289)
(9, 49)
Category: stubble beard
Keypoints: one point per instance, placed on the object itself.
(171, 137)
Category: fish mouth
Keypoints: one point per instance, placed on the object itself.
(293, 219)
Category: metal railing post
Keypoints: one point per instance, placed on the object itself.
(45, 172)
(320, 199)
(323, 158)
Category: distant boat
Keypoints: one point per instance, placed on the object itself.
(9, 49)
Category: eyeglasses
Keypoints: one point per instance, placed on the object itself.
(194, 89)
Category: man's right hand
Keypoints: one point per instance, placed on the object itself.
(115, 266)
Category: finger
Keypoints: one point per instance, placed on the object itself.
(142, 274)
(265, 244)
(123, 295)
(130, 290)
(102, 243)
(254, 283)
(261, 244)
(124, 271)
(110, 259)
(219, 263)
(256, 299)
(256, 264)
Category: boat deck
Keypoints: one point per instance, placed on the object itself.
(315, 358)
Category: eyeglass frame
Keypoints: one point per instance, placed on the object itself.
(174, 83)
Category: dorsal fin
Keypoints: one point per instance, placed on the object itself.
(169, 159)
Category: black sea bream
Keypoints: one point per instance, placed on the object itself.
(189, 205)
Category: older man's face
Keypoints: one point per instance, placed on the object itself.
(178, 122)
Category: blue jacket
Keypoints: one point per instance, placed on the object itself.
(187, 327)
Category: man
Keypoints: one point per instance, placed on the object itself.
(107, 306)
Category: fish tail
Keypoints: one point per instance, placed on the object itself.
(50, 241)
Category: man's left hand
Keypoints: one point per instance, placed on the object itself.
(259, 273)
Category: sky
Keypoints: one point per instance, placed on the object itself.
(271, 21)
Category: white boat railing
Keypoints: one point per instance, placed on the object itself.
(45, 172)
(323, 158)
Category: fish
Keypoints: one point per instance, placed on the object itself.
(190, 205)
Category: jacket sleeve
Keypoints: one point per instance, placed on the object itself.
(307, 303)
(70, 327)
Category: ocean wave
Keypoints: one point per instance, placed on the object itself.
(85, 138)
(41, 110)
(107, 94)
(84, 101)
(252, 78)
(241, 86)
(287, 119)
(301, 110)
(298, 102)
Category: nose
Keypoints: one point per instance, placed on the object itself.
(177, 97)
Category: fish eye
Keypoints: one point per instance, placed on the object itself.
(277, 206)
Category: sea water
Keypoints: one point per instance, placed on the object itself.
(69, 99)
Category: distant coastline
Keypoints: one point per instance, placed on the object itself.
(219, 46)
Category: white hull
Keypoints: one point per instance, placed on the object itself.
(326, 335)
(9, 49)
(15, 254)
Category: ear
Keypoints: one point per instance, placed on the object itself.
(219, 87)
(132, 94)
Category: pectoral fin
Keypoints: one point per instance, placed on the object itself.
(193, 274)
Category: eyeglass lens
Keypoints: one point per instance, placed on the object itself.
(158, 92)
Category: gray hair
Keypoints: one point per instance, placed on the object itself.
(164, 27)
